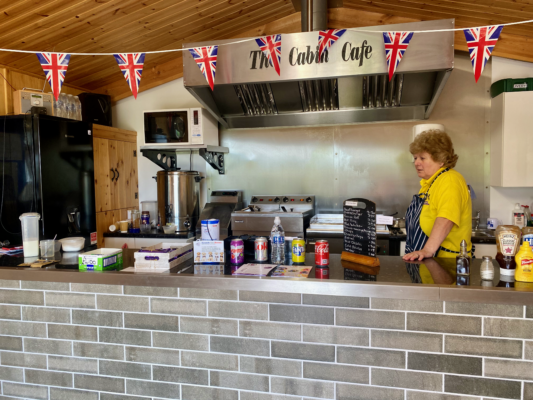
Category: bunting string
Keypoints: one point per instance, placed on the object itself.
(253, 39)
(481, 42)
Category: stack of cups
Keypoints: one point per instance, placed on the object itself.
(210, 229)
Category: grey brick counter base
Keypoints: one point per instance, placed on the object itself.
(86, 341)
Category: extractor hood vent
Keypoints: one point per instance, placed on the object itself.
(350, 84)
(379, 92)
(319, 95)
(256, 99)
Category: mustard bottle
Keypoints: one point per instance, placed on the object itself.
(524, 263)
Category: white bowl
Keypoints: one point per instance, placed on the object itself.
(169, 228)
(73, 243)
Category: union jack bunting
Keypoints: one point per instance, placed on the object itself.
(327, 38)
(206, 58)
(395, 46)
(271, 47)
(481, 42)
(55, 67)
(131, 65)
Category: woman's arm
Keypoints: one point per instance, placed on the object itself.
(441, 229)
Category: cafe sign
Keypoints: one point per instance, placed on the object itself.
(353, 53)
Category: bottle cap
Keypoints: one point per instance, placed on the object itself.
(277, 221)
(463, 244)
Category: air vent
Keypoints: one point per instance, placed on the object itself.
(256, 99)
(319, 95)
(379, 92)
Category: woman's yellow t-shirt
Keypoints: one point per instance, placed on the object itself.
(448, 198)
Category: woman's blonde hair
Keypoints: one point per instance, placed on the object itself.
(438, 145)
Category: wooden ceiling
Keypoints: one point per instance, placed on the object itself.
(92, 26)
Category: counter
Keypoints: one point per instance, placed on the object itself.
(89, 335)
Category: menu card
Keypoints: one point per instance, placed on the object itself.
(255, 269)
(360, 227)
(291, 272)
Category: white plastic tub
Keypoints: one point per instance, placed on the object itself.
(73, 243)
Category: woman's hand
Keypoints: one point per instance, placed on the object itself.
(441, 229)
(418, 255)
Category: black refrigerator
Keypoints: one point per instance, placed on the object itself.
(47, 166)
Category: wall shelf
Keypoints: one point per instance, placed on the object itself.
(165, 157)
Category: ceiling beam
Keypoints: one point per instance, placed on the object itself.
(509, 45)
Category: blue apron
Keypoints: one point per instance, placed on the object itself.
(416, 238)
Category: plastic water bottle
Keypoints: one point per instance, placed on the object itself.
(77, 102)
(62, 105)
(71, 107)
(54, 102)
(277, 238)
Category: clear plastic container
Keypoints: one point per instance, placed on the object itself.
(47, 248)
(30, 234)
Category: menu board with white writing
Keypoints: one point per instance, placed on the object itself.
(360, 227)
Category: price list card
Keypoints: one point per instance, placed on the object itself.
(360, 227)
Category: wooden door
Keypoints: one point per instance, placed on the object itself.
(130, 169)
(122, 177)
(114, 172)
(102, 175)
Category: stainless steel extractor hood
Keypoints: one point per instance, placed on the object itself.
(350, 84)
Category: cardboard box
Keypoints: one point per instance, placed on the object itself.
(100, 260)
(156, 261)
(209, 251)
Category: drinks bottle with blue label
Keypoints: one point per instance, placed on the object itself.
(277, 238)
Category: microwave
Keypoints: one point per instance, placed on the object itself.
(180, 127)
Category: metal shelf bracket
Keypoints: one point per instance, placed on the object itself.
(215, 159)
(166, 158)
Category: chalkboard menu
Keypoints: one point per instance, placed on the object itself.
(360, 227)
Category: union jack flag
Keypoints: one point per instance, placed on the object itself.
(271, 47)
(395, 46)
(327, 38)
(131, 65)
(206, 58)
(481, 42)
(55, 67)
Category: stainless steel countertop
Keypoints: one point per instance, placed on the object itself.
(394, 280)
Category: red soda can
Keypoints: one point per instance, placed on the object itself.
(321, 272)
(322, 253)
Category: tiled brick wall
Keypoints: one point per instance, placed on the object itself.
(80, 341)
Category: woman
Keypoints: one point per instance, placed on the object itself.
(440, 215)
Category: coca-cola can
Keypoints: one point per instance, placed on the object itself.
(237, 251)
(321, 272)
(261, 247)
(322, 253)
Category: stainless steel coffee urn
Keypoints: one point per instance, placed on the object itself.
(178, 198)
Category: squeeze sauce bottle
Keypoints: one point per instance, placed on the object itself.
(524, 263)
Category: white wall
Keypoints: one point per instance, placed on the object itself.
(502, 200)
(128, 114)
